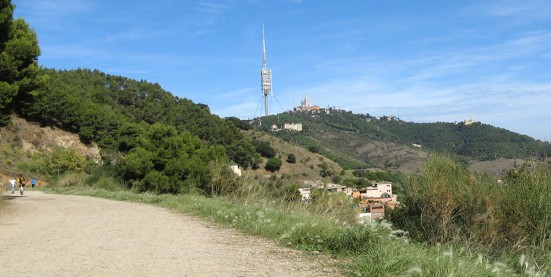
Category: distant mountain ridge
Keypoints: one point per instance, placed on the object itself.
(361, 140)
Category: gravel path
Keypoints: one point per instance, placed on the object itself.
(60, 235)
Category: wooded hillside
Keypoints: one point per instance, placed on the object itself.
(357, 140)
(113, 110)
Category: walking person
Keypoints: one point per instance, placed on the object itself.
(21, 182)
(33, 183)
(12, 185)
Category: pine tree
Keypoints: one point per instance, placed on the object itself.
(20, 74)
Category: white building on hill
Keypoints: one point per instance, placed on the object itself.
(377, 190)
(293, 126)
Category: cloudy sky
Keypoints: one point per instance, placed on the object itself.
(422, 61)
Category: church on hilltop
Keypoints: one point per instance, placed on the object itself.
(305, 106)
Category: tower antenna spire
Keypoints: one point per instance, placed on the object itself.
(264, 46)
(266, 75)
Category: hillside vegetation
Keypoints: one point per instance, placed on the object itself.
(357, 141)
(158, 148)
(111, 110)
(305, 165)
(32, 150)
(168, 143)
(326, 225)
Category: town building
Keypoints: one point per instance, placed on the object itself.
(377, 190)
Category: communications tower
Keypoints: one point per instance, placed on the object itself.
(266, 76)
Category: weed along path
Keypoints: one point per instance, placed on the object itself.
(59, 235)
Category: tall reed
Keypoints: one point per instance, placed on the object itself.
(448, 204)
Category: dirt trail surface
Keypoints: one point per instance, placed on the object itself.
(60, 235)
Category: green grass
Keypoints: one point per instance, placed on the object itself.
(364, 250)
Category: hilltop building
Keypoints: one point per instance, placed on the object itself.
(305, 106)
(468, 122)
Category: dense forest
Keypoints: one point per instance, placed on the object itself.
(477, 141)
(168, 142)
(111, 109)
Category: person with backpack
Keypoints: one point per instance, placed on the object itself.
(21, 182)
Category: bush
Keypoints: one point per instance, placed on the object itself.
(291, 158)
(103, 177)
(313, 149)
(336, 204)
(59, 162)
(524, 209)
(273, 164)
(443, 203)
(446, 203)
(324, 170)
(223, 181)
(264, 149)
(288, 192)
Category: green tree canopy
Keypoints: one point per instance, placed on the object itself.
(264, 149)
(20, 74)
(114, 110)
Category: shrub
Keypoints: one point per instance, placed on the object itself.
(446, 203)
(336, 204)
(440, 202)
(324, 170)
(288, 192)
(313, 149)
(273, 164)
(103, 177)
(223, 181)
(524, 210)
(59, 162)
(291, 158)
(264, 149)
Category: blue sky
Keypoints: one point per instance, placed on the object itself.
(423, 61)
